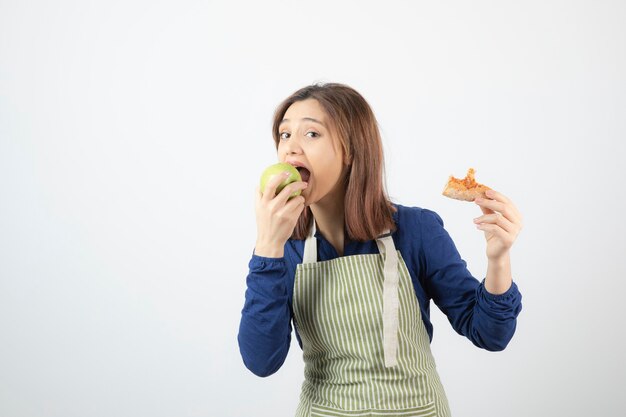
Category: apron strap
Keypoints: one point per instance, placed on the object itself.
(391, 300)
(310, 247)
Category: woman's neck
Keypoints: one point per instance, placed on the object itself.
(330, 218)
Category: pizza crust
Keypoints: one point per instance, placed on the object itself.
(466, 189)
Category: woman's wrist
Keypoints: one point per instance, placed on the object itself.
(269, 250)
(501, 260)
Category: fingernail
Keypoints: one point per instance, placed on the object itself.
(476, 220)
(489, 193)
(478, 200)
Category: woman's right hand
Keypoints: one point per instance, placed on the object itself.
(276, 216)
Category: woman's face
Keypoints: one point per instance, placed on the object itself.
(308, 141)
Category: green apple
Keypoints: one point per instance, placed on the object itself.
(278, 169)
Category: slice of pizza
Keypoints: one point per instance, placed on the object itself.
(466, 189)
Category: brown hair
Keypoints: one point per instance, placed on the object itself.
(368, 210)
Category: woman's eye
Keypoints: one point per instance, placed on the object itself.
(285, 135)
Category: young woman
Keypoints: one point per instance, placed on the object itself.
(355, 273)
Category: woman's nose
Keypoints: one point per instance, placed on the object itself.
(294, 151)
(293, 147)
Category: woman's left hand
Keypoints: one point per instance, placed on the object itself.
(501, 222)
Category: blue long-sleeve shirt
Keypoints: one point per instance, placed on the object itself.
(437, 272)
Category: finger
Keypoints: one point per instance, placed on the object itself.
(505, 209)
(498, 196)
(295, 204)
(497, 219)
(293, 208)
(489, 204)
(486, 210)
(285, 193)
(270, 187)
(499, 233)
(493, 194)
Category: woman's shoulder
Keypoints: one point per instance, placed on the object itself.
(414, 216)
(417, 228)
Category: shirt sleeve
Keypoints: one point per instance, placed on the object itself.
(265, 327)
(488, 320)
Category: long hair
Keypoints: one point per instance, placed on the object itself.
(368, 210)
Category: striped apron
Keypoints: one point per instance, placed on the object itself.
(365, 348)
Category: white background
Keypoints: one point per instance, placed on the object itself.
(133, 133)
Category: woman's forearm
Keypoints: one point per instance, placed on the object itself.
(499, 278)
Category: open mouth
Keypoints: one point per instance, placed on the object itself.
(304, 173)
